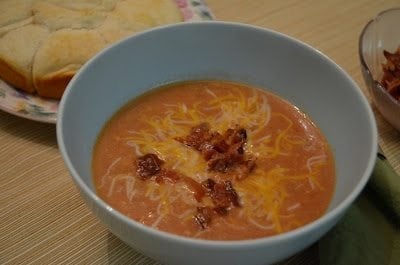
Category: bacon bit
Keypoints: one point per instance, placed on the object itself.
(148, 165)
(238, 135)
(223, 195)
(391, 73)
(195, 188)
(203, 216)
(224, 153)
(208, 184)
(198, 135)
(207, 150)
(244, 169)
(221, 210)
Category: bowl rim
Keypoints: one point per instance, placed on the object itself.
(376, 83)
(328, 217)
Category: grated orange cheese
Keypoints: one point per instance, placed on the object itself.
(262, 193)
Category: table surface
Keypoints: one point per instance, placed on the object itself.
(43, 218)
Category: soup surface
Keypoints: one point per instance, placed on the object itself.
(214, 160)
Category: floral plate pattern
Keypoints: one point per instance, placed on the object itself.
(35, 108)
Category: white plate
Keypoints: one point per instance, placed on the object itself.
(35, 108)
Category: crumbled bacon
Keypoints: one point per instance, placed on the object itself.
(203, 216)
(195, 188)
(237, 135)
(222, 194)
(148, 165)
(208, 185)
(244, 169)
(198, 135)
(224, 153)
(391, 73)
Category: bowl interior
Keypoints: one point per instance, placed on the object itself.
(216, 50)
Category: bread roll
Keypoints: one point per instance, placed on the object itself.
(60, 57)
(105, 5)
(14, 14)
(17, 50)
(55, 17)
(43, 43)
(13, 11)
(131, 16)
(16, 25)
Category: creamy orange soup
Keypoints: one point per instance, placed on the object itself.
(214, 160)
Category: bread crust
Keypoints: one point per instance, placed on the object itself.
(53, 86)
(17, 51)
(15, 77)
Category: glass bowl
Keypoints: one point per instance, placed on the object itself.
(381, 33)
